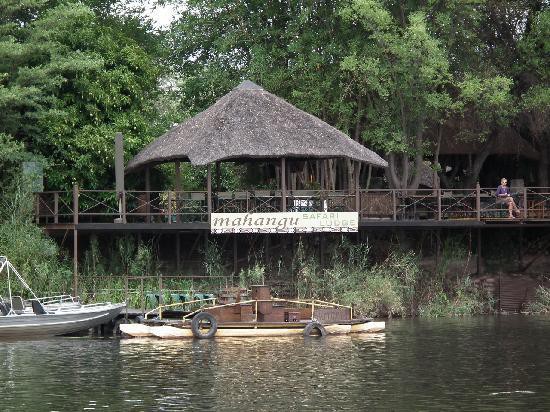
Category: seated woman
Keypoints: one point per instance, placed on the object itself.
(504, 197)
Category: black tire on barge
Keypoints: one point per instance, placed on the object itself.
(315, 329)
(200, 320)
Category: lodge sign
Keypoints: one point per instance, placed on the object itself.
(284, 222)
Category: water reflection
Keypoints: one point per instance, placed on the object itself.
(475, 363)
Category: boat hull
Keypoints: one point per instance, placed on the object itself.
(59, 323)
(170, 332)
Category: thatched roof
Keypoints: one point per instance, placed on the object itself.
(251, 123)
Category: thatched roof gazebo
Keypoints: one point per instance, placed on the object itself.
(246, 124)
(251, 123)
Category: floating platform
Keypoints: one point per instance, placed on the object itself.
(260, 317)
(137, 330)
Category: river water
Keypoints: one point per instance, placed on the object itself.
(480, 363)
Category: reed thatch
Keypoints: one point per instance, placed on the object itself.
(251, 123)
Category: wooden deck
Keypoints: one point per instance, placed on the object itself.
(158, 211)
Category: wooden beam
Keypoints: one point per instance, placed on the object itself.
(235, 253)
(283, 184)
(148, 194)
(478, 202)
(479, 269)
(177, 179)
(75, 262)
(178, 189)
(75, 204)
(209, 189)
(218, 177)
(356, 174)
(178, 252)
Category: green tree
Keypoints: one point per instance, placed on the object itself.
(68, 81)
(402, 72)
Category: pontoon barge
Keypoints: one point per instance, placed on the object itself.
(262, 315)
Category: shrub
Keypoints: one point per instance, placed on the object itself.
(541, 301)
(34, 255)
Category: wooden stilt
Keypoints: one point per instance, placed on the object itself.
(177, 185)
(234, 254)
(75, 262)
(148, 195)
(479, 268)
(178, 252)
(283, 185)
(75, 240)
(209, 189)
(356, 173)
(218, 177)
(437, 247)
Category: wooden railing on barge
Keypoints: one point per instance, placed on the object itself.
(108, 206)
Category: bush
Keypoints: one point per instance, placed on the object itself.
(462, 298)
(34, 255)
(541, 301)
(395, 287)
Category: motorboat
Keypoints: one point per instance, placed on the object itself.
(261, 316)
(47, 316)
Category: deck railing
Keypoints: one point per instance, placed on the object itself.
(170, 207)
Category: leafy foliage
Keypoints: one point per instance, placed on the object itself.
(541, 301)
(395, 287)
(34, 255)
(69, 81)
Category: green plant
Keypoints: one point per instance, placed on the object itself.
(35, 256)
(461, 298)
(541, 301)
(254, 275)
(213, 263)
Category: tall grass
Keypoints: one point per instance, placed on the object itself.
(396, 286)
(541, 301)
(36, 256)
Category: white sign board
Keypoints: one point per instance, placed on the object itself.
(284, 222)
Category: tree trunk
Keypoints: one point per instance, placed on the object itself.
(480, 158)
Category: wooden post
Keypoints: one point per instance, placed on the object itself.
(437, 246)
(178, 252)
(123, 205)
(209, 189)
(161, 297)
(478, 202)
(322, 183)
(479, 251)
(234, 253)
(119, 176)
(283, 185)
(75, 240)
(177, 180)
(169, 207)
(394, 204)
(75, 204)
(37, 208)
(356, 171)
(148, 195)
(218, 177)
(525, 203)
(142, 295)
(75, 262)
(56, 207)
(126, 293)
(438, 204)
(177, 188)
